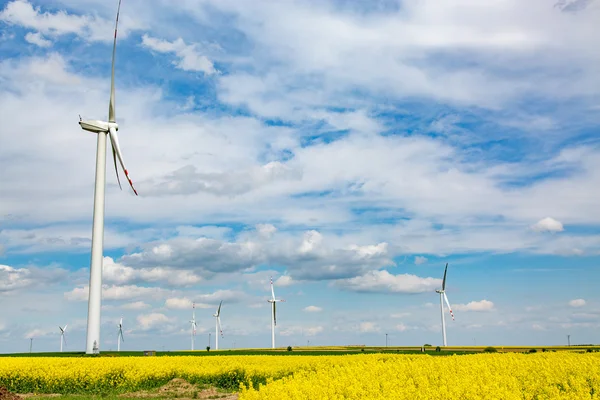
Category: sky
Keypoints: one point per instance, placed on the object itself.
(347, 148)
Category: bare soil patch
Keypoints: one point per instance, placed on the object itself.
(6, 395)
(182, 390)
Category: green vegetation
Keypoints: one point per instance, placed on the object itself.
(312, 351)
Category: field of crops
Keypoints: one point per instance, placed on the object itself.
(549, 375)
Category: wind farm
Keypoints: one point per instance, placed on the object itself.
(339, 153)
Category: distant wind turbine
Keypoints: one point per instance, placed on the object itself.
(218, 329)
(193, 322)
(273, 300)
(443, 298)
(102, 128)
(120, 335)
(62, 337)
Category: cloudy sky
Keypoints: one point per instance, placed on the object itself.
(348, 148)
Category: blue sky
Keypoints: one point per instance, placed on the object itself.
(348, 148)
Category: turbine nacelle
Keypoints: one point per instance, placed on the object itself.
(95, 126)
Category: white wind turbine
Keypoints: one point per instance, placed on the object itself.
(443, 298)
(193, 322)
(102, 128)
(120, 335)
(218, 329)
(273, 300)
(62, 337)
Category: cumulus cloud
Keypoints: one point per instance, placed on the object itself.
(55, 24)
(420, 260)
(136, 305)
(114, 292)
(153, 320)
(37, 39)
(208, 300)
(313, 309)
(120, 274)
(482, 305)
(577, 303)
(189, 57)
(13, 279)
(311, 258)
(183, 303)
(383, 281)
(302, 330)
(367, 327)
(404, 328)
(284, 280)
(548, 225)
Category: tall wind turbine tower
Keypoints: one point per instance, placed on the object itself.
(120, 335)
(102, 128)
(218, 329)
(62, 337)
(443, 298)
(193, 322)
(273, 300)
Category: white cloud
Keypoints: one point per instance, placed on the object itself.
(383, 281)
(313, 309)
(178, 303)
(312, 239)
(482, 305)
(189, 58)
(548, 225)
(367, 327)
(15, 279)
(284, 280)
(153, 320)
(420, 260)
(120, 274)
(301, 330)
(404, 328)
(183, 303)
(538, 327)
(136, 305)
(22, 12)
(114, 292)
(577, 303)
(266, 230)
(37, 39)
(12, 278)
(400, 315)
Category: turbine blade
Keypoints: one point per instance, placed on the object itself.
(219, 310)
(65, 328)
(65, 340)
(272, 291)
(448, 304)
(61, 329)
(111, 105)
(115, 141)
(114, 154)
(274, 314)
(220, 329)
(444, 281)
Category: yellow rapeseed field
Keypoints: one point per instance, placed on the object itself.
(362, 376)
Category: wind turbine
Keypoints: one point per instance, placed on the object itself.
(120, 335)
(62, 336)
(443, 297)
(102, 128)
(218, 329)
(273, 300)
(193, 322)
